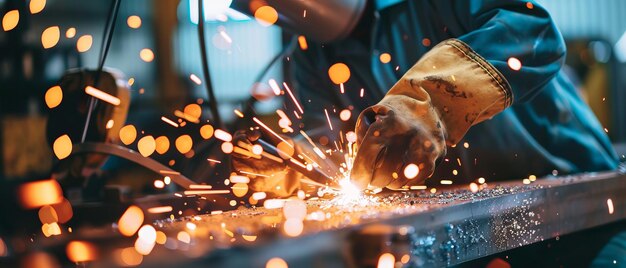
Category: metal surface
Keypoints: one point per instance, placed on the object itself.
(128, 154)
(450, 227)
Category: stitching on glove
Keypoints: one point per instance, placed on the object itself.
(497, 77)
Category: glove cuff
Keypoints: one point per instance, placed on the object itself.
(464, 88)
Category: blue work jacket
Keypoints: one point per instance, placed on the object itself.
(547, 130)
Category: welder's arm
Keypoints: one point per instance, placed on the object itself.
(447, 91)
(459, 83)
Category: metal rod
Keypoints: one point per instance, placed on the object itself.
(205, 67)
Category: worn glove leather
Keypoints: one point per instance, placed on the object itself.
(433, 105)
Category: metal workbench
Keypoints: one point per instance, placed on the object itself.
(446, 228)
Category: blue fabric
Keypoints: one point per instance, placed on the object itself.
(548, 127)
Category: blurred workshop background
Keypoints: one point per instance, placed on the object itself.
(240, 51)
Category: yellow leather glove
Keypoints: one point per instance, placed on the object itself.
(433, 105)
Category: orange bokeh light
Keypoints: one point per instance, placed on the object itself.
(83, 44)
(162, 144)
(54, 96)
(50, 37)
(80, 251)
(206, 132)
(184, 144)
(266, 15)
(339, 73)
(40, 193)
(130, 221)
(10, 20)
(146, 146)
(128, 134)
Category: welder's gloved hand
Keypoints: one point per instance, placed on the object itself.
(275, 177)
(433, 105)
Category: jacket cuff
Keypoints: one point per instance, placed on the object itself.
(463, 87)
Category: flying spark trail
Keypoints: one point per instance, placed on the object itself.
(271, 131)
(169, 121)
(205, 192)
(101, 95)
(328, 118)
(295, 101)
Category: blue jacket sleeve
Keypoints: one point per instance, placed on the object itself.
(503, 29)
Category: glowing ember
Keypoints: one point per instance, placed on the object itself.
(129, 257)
(266, 15)
(240, 189)
(330, 125)
(239, 179)
(47, 214)
(162, 144)
(128, 134)
(109, 124)
(50, 37)
(386, 260)
(609, 204)
(70, 33)
(10, 20)
(161, 238)
(62, 147)
(276, 263)
(274, 86)
(295, 209)
(80, 251)
(159, 184)
(146, 146)
(169, 121)
(144, 246)
(101, 95)
(259, 195)
(411, 171)
(54, 96)
(146, 55)
(133, 21)
(345, 115)
(205, 192)
(227, 147)
(184, 144)
(385, 58)
(206, 132)
(405, 258)
(473, 187)
(83, 44)
(273, 203)
(193, 111)
(445, 182)
(223, 135)
(157, 210)
(339, 73)
(293, 227)
(257, 149)
(36, 6)
(184, 237)
(130, 221)
(514, 64)
(302, 42)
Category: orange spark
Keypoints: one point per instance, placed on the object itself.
(50, 37)
(101, 95)
(10, 20)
